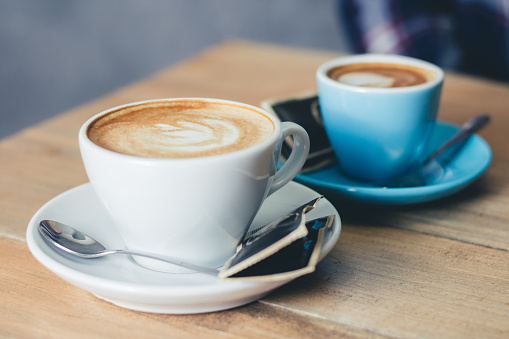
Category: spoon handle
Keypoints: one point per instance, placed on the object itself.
(173, 261)
(468, 128)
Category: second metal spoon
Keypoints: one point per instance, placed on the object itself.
(415, 176)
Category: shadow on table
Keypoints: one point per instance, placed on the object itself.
(381, 215)
(342, 266)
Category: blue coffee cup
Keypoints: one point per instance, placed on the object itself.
(378, 133)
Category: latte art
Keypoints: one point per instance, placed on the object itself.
(381, 75)
(366, 79)
(173, 130)
(209, 134)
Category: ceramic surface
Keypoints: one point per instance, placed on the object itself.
(159, 203)
(459, 169)
(123, 282)
(378, 132)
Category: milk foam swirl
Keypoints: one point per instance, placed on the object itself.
(366, 79)
(381, 75)
(190, 137)
(175, 131)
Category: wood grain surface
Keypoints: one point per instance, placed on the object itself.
(433, 270)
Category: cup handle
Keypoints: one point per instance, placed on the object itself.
(296, 159)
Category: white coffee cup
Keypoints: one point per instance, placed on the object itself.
(195, 209)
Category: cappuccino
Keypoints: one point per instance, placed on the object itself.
(385, 105)
(381, 75)
(195, 208)
(180, 129)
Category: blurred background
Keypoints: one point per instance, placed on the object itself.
(57, 54)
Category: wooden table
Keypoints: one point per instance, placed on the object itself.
(438, 270)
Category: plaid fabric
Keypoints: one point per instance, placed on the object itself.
(466, 35)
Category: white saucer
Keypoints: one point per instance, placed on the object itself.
(121, 281)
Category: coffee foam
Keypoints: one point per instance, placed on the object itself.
(366, 79)
(180, 129)
(381, 75)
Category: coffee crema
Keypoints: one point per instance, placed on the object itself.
(380, 75)
(180, 129)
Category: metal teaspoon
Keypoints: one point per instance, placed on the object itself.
(79, 244)
(415, 176)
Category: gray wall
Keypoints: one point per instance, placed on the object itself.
(56, 54)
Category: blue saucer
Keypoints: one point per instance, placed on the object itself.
(451, 172)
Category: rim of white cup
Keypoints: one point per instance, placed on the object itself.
(85, 141)
(322, 70)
